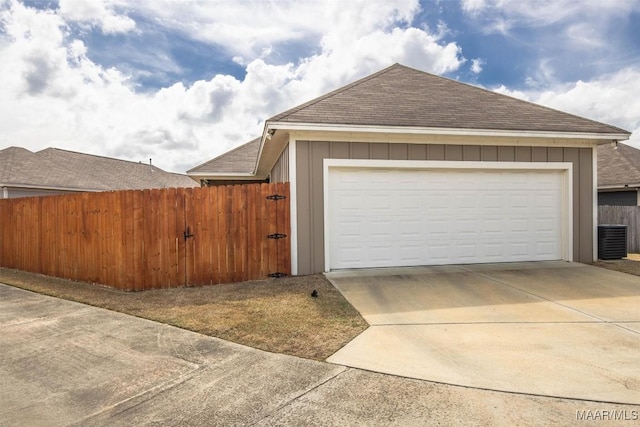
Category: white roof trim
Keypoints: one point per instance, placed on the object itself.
(442, 131)
(629, 186)
(220, 174)
(48, 187)
(228, 176)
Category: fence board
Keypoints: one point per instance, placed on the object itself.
(171, 209)
(214, 220)
(253, 259)
(628, 215)
(133, 240)
(264, 229)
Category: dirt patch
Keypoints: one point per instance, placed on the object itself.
(277, 315)
(630, 264)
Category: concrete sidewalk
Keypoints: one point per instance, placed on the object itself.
(547, 328)
(64, 363)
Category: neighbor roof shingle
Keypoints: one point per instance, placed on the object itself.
(116, 174)
(21, 167)
(240, 160)
(618, 166)
(55, 168)
(402, 96)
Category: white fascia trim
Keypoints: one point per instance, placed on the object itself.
(238, 177)
(40, 187)
(620, 187)
(203, 175)
(565, 167)
(444, 131)
(265, 131)
(293, 200)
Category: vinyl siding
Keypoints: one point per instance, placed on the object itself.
(310, 201)
(280, 171)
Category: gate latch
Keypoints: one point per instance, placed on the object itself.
(276, 236)
(187, 234)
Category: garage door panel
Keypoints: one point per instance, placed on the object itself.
(387, 217)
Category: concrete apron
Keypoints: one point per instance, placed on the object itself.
(546, 328)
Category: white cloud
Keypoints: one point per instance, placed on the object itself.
(473, 6)
(612, 99)
(582, 26)
(476, 65)
(53, 94)
(97, 12)
(502, 89)
(247, 28)
(546, 12)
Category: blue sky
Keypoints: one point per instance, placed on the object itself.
(183, 81)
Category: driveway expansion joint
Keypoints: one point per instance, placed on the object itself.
(142, 397)
(342, 370)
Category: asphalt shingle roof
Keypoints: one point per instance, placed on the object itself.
(55, 168)
(618, 167)
(116, 174)
(403, 96)
(21, 167)
(240, 160)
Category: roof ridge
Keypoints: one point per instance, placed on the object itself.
(392, 97)
(335, 92)
(97, 156)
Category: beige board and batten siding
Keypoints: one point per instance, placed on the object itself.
(310, 199)
(280, 171)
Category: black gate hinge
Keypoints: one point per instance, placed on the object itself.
(276, 197)
(277, 274)
(276, 236)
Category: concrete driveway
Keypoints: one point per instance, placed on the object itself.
(64, 363)
(548, 328)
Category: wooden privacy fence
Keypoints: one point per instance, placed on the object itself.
(628, 215)
(138, 240)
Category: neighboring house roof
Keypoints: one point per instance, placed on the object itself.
(241, 160)
(67, 170)
(20, 167)
(116, 174)
(403, 96)
(618, 166)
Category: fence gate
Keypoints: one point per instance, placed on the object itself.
(148, 239)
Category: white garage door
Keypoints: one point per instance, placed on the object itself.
(406, 217)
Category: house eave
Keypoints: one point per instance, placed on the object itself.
(602, 138)
(48, 187)
(615, 187)
(225, 177)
